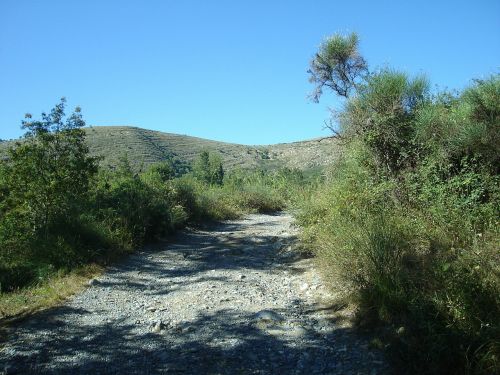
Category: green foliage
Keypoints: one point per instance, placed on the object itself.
(59, 211)
(337, 65)
(241, 192)
(382, 115)
(208, 168)
(421, 266)
(465, 126)
(133, 208)
(44, 182)
(407, 220)
(159, 172)
(48, 173)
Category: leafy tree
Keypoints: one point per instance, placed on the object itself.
(208, 168)
(415, 201)
(48, 173)
(382, 115)
(383, 106)
(164, 170)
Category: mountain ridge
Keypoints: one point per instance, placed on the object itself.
(144, 147)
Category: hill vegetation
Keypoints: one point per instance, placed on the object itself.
(145, 147)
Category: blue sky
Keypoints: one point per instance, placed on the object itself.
(227, 70)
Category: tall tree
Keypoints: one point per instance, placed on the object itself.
(48, 173)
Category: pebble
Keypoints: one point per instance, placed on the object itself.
(157, 326)
(268, 316)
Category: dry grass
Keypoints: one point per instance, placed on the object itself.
(27, 301)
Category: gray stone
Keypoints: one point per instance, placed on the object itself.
(268, 316)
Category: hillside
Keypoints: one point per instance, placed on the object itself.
(144, 147)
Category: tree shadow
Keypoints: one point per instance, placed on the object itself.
(222, 342)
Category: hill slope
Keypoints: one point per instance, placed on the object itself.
(144, 147)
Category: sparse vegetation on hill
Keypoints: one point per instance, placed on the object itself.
(407, 219)
(145, 147)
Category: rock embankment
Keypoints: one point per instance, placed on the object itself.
(231, 299)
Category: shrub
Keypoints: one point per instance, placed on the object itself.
(407, 220)
(208, 168)
(44, 183)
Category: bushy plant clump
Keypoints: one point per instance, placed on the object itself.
(408, 220)
(241, 192)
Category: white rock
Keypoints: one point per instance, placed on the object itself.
(157, 326)
(304, 287)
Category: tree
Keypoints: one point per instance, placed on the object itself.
(48, 173)
(384, 103)
(164, 170)
(337, 65)
(208, 168)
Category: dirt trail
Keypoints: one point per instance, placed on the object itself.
(231, 299)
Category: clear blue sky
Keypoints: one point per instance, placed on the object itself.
(226, 70)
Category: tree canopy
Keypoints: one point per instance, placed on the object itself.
(337, 65)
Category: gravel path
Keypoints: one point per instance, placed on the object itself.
(231, 299)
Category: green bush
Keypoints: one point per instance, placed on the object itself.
(44, 182)
(407, 221)
(138, 208)
(241, 192)
(208, 168)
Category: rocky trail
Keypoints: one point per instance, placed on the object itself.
(234, 298)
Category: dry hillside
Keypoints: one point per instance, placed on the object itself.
(144, 147)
